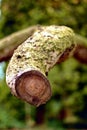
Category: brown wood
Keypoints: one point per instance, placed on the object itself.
(80, 54)
(66, 54)
(33, 59)
(33, 87)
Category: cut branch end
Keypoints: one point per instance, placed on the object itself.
(33, 87)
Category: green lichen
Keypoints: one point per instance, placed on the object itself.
(44, 47)
(40, 51)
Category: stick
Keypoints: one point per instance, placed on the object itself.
(11, 42)
(32, 60)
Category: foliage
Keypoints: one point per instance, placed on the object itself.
(20, 14)
(11, 110)
(69, 79)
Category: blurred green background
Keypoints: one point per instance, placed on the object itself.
(67, 109)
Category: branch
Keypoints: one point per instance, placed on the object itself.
(32, 60)
(80, 54)
(81, 40)
(11, 42)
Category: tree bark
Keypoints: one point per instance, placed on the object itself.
(32, 60)
(11, 42)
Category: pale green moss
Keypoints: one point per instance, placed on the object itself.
(41, 51)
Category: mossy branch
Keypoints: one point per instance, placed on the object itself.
(11, 42)
(32, 60)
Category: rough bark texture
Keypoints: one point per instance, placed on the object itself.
(26, 72)
(11, 42)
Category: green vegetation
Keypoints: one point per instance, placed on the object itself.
(68, 105)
